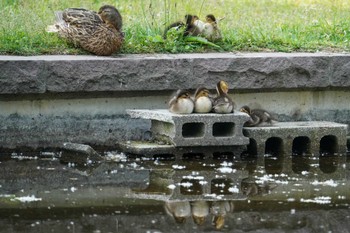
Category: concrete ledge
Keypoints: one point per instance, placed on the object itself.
(247, 71)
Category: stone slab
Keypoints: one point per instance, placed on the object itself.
(210, 129)
(158, 72)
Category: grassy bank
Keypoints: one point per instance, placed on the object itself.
(248, 25)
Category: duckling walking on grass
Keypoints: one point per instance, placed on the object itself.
(191, 28)
(258, 117)
(202, 101)
(222, 103)
(181, 103)
(99, 33)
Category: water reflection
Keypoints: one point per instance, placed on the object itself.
(199, 193)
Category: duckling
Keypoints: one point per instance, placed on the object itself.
(179, 210)
(190, 28)
(257, 116)
(202, 101)
(222, 103)
(99, 33)
(211, 30)
(198, 23)
(181, 103)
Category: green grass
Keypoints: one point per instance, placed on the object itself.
(249, 25)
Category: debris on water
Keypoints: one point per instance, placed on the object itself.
(317, 200)
(31, 198)
(178, 167)
(79, 153)
(226, 170)
(330, 182)
(115, 156)
(171, 186)
(233, 189)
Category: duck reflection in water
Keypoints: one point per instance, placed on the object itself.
(219, 210)
(200, 210)
(251, 187)
(179, 210)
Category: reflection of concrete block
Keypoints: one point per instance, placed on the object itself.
(170, 152)
(298, 137)
(208, 129)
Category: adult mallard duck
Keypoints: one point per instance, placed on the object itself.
(257, 116)
(99, 33)
(211, 30)
(202, 101)
(222, 103)
(181, 103)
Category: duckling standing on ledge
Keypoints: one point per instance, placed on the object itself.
(181, 103)
(257, 116)
(222, 103)
(202, 101)
(211, 30)
(99, 33)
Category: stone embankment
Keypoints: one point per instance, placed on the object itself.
(48, 100)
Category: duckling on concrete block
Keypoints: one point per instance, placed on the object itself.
(181, 102)
(223, 102)
(258, 117)
(202, 100)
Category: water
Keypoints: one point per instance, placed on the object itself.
(271, 193)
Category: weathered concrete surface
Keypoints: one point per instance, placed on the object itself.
(48, 100)
(252, 71)
(289, 131)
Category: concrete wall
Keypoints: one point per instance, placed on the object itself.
(48, 100)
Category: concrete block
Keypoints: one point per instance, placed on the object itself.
(308, 137)
(208, 129)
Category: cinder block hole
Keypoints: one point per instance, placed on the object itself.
(274, 146)
(223, 129)
(193, 130)
(228, 155)
(190, 187)
(328, 163)
(164, 157)
(222, 186)
(252, 150)
(191, 156)
(301, 146)
(274, 155)
(329, 145)
(300, 164)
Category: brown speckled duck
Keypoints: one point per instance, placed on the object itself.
(99, 33)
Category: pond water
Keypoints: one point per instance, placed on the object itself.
(127, 193)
